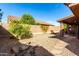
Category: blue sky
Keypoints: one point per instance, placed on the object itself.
(48, 12)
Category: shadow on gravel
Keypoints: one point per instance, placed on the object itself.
(73, 42)
(10, 46)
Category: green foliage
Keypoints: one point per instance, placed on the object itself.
(27, 19)
(21, 27)
(12, 25)
(20, 30)
(1, 14)
(37, 23)
(65, 27)
(44, 28)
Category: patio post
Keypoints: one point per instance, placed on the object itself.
(77, 23)
(61, 30)
(78, 31)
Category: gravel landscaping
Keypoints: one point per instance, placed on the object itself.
(40, 45)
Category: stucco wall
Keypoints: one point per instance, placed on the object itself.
(35, 29)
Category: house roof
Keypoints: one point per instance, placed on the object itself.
(74, 8)
(43, 22)
(10, 18)
(71, 4)
(69, 20)
(72, 19)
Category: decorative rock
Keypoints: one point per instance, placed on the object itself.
(31, 51)
(15, 49)
(27, 54)
(23, 47)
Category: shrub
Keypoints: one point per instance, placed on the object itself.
(26, 31)
(65, 27)
(20, 30)
(44, 28)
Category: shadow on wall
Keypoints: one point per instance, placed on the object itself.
(10, 45)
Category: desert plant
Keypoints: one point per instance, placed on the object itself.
(65, 27)
(44, 28)
(20, 30)
(12, 25)
(27, 19)
(27, 33)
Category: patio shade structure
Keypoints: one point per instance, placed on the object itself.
(74, 7)
(71, 20)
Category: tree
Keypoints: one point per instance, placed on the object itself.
(1, 14)
(21, 28)
(27, 19)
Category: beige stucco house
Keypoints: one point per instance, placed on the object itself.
(35, 29)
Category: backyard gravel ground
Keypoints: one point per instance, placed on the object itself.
(51, 45)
